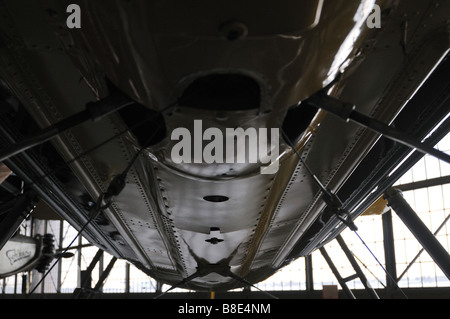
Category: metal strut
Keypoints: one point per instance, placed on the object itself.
(328, 196)
(86, 291)
(426, 238)
(114, 189)
(359, 273)
(334, 203)
(94, 111)
(346, 111)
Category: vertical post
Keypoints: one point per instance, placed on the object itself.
(24, 284)
(4, 286)
(389, 250)
(60, 245)
(158, 287)
(80, 279)
(101, 269)
(426, 238)
(309, 273)
(127, 278)
(43, 283)
(15, 284)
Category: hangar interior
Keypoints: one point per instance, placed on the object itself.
(395, 73)
(385, 258)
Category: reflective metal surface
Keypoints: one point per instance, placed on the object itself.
(174, 219)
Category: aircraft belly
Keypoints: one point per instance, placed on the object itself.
(196, 220)
(133, 207)
(201, 246)
(145, 55)
(176, 220)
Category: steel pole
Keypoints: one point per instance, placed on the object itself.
(426, 238)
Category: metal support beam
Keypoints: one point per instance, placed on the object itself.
(424, 184)
(87, 292)
(419, 230)
(357, 269)
(422, 250)
(389, 250)
(359, 274)
(127, 278)
(347, 112)
(309, 273)
(95, 111)
(104, 275)
(60, 244)
(336, 273)
(159, 286)
(24, 284)
(86, 278)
